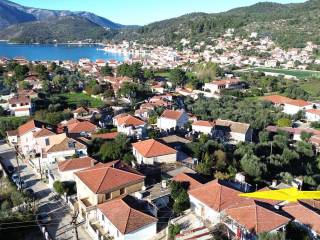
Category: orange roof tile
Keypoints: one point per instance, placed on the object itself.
(278, 99)
(79, 127)
(153, 148)
(216, 196)
(103, 179)
(304, 214)
(172, 114)
(257, 218)
(111, 135)
(185, 177)
(124, 217)
(130, 121)
(29, 126)
(43, 133)
(313, 111)
(203, 123)
(76, 163)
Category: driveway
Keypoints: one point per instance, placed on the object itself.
(60, 228)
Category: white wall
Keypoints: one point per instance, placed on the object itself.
(312, 117)
(203, 211)
(146, 232)
(202, 129)
(171, 158)
(292, 109)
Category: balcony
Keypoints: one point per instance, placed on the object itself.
(97, 232)
(87, 205)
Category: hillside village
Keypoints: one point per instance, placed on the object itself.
(163, 144)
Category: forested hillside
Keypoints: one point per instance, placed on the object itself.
(291, 25)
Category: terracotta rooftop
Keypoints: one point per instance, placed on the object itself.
(153, 148)
(43, 133)
(216, 196)
(185, 177)
(103, 179)
(277, 99)
(106, 136)
(257, 217)
(84, 126)
(203, 123)
(19, 99)
(305, 214)
(172, 114)
(29, 126)
(124, 217)
(313, 111)
(76, 163)
(65, 145)
(130, 121)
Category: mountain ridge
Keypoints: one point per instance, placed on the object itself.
(38, 14)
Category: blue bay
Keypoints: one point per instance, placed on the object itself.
(51, 52)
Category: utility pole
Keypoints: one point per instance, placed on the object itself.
(74, 223)
(18, 165)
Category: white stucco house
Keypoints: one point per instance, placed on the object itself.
(171, 119)
(122, 220)
(209, 200)
(152, 151)
(130, 125)
(205, 127)
(227, 130)
(313, 115)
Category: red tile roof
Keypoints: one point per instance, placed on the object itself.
(107, 136)
(153, 148)
(313, 111)
(19, 99)
(76, 163)
(257, 218)
(29, 126)
(216, 196)
(104, 179)
(79, 127)
(304, 214)
(43, 133)
(124, 217)
(203, 123)
(172, 114)
(185, 177)
(277, 99)
(130, 121)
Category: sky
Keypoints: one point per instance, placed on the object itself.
(141, 12)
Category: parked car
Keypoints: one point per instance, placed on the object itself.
(44, 218)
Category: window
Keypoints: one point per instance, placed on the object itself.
(122, 191)
(47, 141)
(108, 196)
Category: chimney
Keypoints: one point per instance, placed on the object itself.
(274, 183)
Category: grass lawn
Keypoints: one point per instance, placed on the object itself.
(75, 99)
(297, 73)
(163, 74)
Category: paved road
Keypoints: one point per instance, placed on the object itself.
(60, 227)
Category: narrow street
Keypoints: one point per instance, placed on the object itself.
(60, 227)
